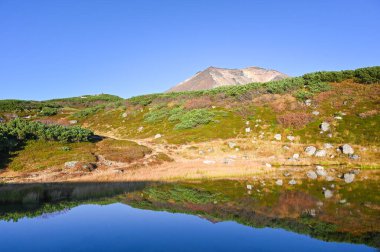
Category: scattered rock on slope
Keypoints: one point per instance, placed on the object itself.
(347, 149)
(310, 150)
(325, 126)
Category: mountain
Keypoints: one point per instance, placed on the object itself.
(215, 77)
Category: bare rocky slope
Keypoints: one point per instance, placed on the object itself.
(215, 77)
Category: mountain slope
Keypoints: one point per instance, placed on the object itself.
(215, 77)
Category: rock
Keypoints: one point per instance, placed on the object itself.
(277, 137)
(313, 212)
(279, 182)
(296, 156)
(325, 126)
(343, 201)
(201, 152)
(247, 123)
(73, 121)
(328, 146)
(285, 147)
(310, 150)
(311, 175)
(124, 115)
(328, 194)
(319, 204)
(89, 167)
(329, 135)
(291, 138)
(354, 157)
(286, 174)
(228, 161)
(231, 145)
(268, 165)
(329, 178)
(71, 164)
(321, 171)
(247, 130)
(249, 187)
(356, 172)
(209, 162)
(320, 153)
(347, 149)
(157, 136)
(292, 182)
(349, 177)
(140, 129)
(315, 113)
(338, 118)
(308, 102)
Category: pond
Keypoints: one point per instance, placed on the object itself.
(160, 217)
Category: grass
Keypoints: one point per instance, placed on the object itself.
(39, 155)
(122, 150)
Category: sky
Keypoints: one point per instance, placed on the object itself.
(65, 48)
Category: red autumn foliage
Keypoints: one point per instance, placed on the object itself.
(295, 120)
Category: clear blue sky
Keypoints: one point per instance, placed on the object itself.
(62, 48)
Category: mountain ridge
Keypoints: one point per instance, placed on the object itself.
(213, 77)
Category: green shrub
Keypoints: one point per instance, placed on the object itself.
(303, 94)
(156, 115)
(317, 86)
(176, 114)
(285, 85)
(194, 118)
(17, 131)
(86, 101)
(368, 75)
(48, 111)
(88, 111)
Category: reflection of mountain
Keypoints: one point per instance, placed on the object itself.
(288, 210)
(20, 200)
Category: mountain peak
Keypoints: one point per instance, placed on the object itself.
(213, 77)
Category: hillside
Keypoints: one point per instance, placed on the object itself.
(326, 118)
(213, 77)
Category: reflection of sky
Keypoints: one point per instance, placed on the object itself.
(119, 227)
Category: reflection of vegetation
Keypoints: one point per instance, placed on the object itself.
(228, 200)
(214, 200)
(181, 194)
(31, 200)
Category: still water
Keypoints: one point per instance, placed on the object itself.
(111, 224)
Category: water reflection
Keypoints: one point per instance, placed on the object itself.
(298, 209)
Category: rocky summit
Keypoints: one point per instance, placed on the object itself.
(213, 77)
